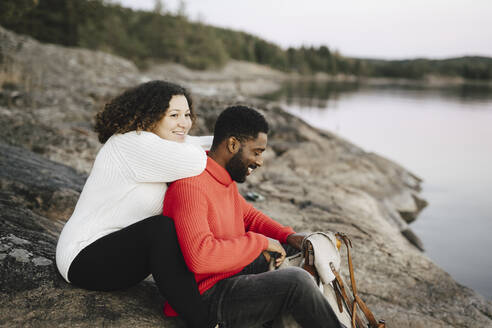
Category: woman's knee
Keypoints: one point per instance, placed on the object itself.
(160, 223)
(161, 228)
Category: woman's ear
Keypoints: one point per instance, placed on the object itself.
(233, 145)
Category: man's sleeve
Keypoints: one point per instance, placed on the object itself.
(187, 205)
(257, 221)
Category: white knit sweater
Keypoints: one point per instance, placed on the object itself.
(127, 184)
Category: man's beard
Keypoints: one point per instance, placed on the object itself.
(237, 168)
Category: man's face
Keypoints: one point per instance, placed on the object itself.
(248, 158)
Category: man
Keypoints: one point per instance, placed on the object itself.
(223, 237)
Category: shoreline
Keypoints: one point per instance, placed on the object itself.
(249, 79)
(402, 129)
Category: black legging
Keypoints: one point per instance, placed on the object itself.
(126, 257)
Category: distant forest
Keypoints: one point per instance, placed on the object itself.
(161, 36)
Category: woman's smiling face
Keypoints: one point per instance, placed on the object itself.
(176, 123)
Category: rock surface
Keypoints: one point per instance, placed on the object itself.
(312, 180)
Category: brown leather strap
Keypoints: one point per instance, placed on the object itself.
(370, 317)
(357, 300)
(309, 260)
(338, 295)
(367, 312)
(347, 242)
(350, 304)
(354, 314)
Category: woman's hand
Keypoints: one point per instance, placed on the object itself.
(275, 247)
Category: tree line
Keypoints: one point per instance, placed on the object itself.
(151, 36)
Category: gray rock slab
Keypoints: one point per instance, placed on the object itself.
(32, 292)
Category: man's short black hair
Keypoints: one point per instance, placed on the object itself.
(241, 122)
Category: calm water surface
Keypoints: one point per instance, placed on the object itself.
(443, 136)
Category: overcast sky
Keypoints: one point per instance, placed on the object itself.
(389, 29)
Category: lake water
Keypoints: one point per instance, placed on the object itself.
(443, 136)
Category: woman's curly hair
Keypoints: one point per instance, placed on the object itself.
(138, 108)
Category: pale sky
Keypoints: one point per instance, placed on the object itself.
(389, 29)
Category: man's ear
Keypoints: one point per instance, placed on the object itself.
(233, 145)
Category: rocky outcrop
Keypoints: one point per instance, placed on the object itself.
(52, 93)
(311, 180)
(239, 78)
(36, 195)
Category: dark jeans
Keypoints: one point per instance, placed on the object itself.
(254, 298)
(126, 257)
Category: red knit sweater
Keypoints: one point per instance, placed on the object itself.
(218, 231)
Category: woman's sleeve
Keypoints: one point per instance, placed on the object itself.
(205, 142)
(150, 158)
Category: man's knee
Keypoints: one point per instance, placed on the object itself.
(299, 277)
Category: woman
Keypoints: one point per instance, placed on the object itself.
(116, 235)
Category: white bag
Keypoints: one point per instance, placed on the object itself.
(320, 256)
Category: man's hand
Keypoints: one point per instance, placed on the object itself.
(295, 240)
(276, 247)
